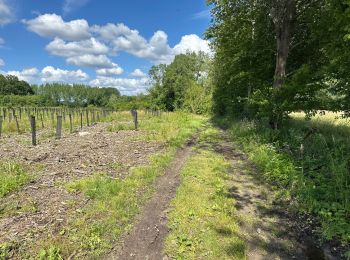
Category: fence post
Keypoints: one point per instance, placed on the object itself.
(87, 118)
(59, 127)
(134, 115)
(70, 123)
(33, 127)
(81, 120)
(1, 119)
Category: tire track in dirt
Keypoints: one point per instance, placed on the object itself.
(146, 239)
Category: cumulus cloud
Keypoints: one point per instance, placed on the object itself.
(2, 63)
(61, 48)
(93, 61)
(111, 71)
(6, 14)
(52, 25)
(192, 43)
(127, 86)
(122, 38)
(138, 73)
(82, 45)
(50, 74)
(71, 5)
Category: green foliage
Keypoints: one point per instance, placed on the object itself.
(52, 253)
(175, 86)
(202, 224)
(12, 176)
(126, 103)
(11, 85)
(57, 94)
(244, 39)
(308, 162)
(21, 101)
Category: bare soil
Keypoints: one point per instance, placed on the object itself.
(146, 239)
(44, 206)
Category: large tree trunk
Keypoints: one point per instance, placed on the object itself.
(283, 14)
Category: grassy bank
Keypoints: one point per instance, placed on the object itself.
(308, 162)
(202, 219)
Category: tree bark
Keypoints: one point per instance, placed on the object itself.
(283, 16)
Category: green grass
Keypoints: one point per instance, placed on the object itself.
(202, 221)
(172, 128)
(308, 163)
(12, 176)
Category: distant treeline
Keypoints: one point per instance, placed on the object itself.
(18, 93)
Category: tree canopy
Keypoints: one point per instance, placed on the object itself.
(275, 56)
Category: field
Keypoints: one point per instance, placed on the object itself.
(77, 195)
(177, 187)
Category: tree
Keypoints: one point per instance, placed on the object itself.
(172, 84)
(277, 56)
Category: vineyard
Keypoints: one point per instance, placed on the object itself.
(78, 194)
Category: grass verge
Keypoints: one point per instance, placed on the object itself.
(308, 163)
(202, 220)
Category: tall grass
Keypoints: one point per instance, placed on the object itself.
(12, 176)
(308, 161)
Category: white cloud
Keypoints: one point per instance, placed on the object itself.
(111, 71)
(122, 38)
(52, 25)
(93, 61)
(61, 48)
(28, 75)
(71, 5)
(50, 74)
(2, 63)
(2, 42)
(138, 73)
(6, 14)
(93, 47)
(127, 86)
(192, 43)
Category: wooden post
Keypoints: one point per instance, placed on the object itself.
(59, 127)
(17, 124)
(81, 120)
(1, 119)
(134, 114)
(70, 123)
(87, 117)
(33, 127)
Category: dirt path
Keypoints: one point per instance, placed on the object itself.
(146, 239)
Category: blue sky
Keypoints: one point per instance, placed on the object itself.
(98, 42)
